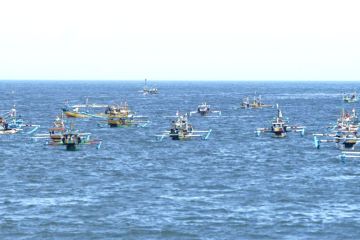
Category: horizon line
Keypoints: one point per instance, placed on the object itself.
(192, 80)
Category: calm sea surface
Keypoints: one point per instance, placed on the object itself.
(233, 186)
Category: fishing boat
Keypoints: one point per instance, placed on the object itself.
(71, 138)
(83, 110)
(74, 113)
(344, 133)
(279, 127)
(343, 140)
(11, 123)
(347, 122)
(204, 109)
(121, 110)
(350, 98)
(149, 90)
(255, 103)
(56, 132)
(122, 116)
(182, 129)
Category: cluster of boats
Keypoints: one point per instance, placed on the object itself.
(116, 115)
(112, 116)
(343, 132)
(62, 135)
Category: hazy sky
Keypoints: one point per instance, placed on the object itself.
(188, 39)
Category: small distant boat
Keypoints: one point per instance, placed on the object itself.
(279, 127)
(149, 90)
(256, 103)
(181, 129)
(204, 109)
(350, 98)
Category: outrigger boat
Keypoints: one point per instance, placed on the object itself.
(344, 134)
(204, 109)
(120, 110)
(181, 129)
(342, 140)
(57, 131)
(348, 122)
(122, 116)
(256, 103)
(350, 98)
(349, 154)
(279, 127)
(70, 138)
(83, 110)
(10, 123)
(151, 90)
(346, 142)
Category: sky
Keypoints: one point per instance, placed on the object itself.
(180, 40)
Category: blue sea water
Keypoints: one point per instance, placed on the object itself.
(233, 186)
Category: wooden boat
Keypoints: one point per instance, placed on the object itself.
(70, 138)
(256, 103)
(279, 127)
(122, 116)
(10, 123)
(181, 129)
(204, 109)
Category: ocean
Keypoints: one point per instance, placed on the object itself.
(234, 185)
